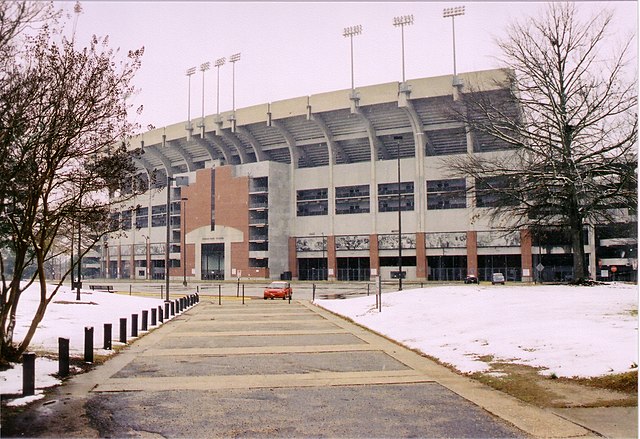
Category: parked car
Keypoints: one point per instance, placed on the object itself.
(278, 289)
(471, 279)
(497, 278)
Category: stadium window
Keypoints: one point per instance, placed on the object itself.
(446, 194)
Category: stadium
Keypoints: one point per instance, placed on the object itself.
(346, 185)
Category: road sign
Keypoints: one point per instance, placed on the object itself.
(539, 267)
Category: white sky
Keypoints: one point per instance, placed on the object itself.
(292, 49)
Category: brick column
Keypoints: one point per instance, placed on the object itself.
(374, 257)
(472, 253)
(526, 257)
(293, 260)
(421, 256)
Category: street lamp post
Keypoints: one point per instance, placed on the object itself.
(184, 240)
(350, 32)
(402, 21)
(147, 256)
(453, 13)
(398, 139)
(233, 59)
(218, 63)
(190, 72)
(167, 243)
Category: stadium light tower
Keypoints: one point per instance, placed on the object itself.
(218, 63)
(190, 72)
(453, 13)
(233, 59)
(203, 68)
(350, 32)
(402, 21)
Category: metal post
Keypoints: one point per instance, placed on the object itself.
(154, 313)
(28, 373)
(314, 292)
(243, 294)
(134, 325)
(63, 357)
(238, 288)
(88, 344)
(166, 310)
(123, 330)
(145, 319)
(79, 282)
(219, 294)
(398, 139)
(168, 236)
(173, 308)
(107, 335)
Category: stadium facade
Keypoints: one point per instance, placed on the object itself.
(346, 185)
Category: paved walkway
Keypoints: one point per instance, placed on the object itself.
(270, 368)
(273, 369)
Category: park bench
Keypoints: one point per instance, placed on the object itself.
(108, 288)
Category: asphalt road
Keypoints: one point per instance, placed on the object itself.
(278, 369)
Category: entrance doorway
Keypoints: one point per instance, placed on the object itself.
(212, 261)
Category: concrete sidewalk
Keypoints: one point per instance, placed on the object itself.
(210, 352)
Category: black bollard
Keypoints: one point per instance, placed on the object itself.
(63, 357)
(314, 293)
(166, 310)
(134, 325)
(219, 294)
(145, 320)
(153, 316)
(123, 330)
(197, 298)
(173, 307)
(107, 336)
(28, 373)
(160, 314)
(88, 344)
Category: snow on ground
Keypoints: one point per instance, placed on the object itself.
(66, 317)
(565, 330)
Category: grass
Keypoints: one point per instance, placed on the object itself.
(626, 382)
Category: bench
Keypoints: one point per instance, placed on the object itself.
(108, 288)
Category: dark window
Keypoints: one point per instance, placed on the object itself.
(493, 192)
(142, 217)
(311, 202)
(352, 199)
(446, 194)
(159, 216)
(125, 220)
(388, 196)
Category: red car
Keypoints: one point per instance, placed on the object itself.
(278, 289)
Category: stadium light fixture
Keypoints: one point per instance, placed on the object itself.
(203, 68)
(402, 21)
(218, 63)
(233, 59)
(453, 13)
(350, 32)
(190, 72)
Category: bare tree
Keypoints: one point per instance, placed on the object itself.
(63, 118)
(562, 127)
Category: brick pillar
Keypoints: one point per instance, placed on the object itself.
(331, 257)
(293, 261)
(527, 258)
(421, 257)
(374, 258)
(472, 253)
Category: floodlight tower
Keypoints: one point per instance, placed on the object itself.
(190, 72)
(218, 63)
(350, 32)
(453, 13)
(203, 68)
(233, 59)
(402, 21)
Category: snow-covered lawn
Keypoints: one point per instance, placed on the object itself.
(66, 317)
(565, 330)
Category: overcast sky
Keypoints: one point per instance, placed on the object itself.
(292, 49)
